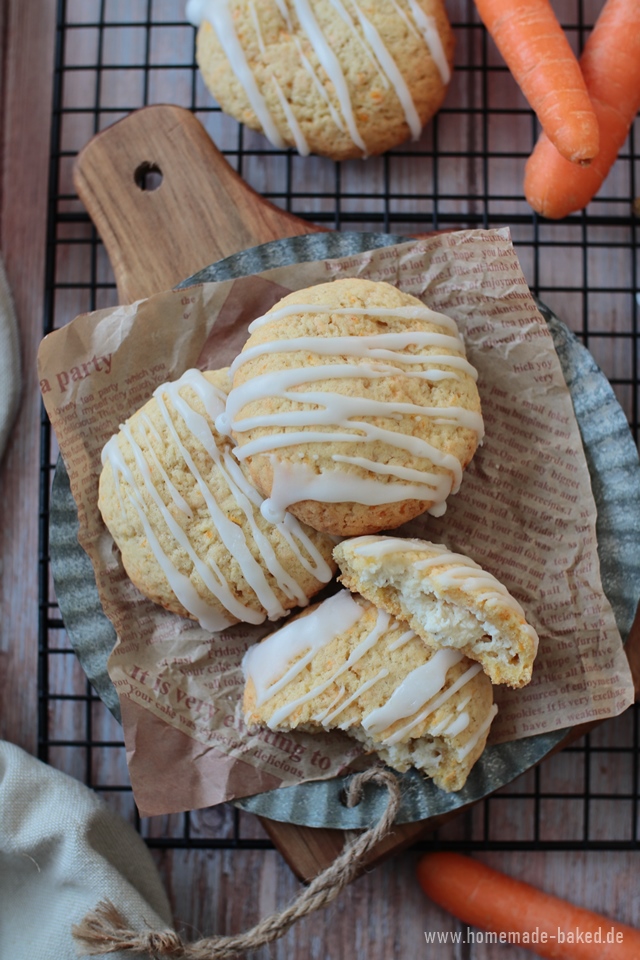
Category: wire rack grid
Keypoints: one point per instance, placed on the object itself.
(113, 56)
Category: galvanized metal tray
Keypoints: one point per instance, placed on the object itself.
(615, 475)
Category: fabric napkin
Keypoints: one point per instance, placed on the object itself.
(62, 850)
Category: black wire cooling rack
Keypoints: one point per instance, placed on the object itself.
(113, 56)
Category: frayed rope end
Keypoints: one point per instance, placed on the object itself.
(105, 930)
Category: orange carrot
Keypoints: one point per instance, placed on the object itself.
(538, 54)
(517, 913)
(611, 67)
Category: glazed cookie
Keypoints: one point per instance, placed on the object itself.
(187, 519)
(347, 665)
(341, 78)
(446, 598)
(354, 407)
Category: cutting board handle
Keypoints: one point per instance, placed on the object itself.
(200, 212)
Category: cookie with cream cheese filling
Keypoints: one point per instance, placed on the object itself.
(447, 598)
(346, 665)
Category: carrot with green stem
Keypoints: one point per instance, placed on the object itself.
(611, 67)
(538, 54)
(522, 915)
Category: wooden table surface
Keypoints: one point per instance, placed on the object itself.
(383, 914)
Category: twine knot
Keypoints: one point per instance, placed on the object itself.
(105, 930)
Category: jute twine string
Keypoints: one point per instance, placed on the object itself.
(105, 930)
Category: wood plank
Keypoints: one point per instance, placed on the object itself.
(384, 914)
(26, 117)
(633, 652)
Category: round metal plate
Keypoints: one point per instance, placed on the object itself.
(615, 475)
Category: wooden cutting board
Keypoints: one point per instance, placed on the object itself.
(203, 211)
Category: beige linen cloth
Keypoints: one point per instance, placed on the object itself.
(62, 850)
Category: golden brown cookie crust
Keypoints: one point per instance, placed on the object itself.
(399, 384)
(117, 503)
(274, 51)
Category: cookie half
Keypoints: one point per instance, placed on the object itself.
(328, 77)
(187, 519)
(347, 665)
(448, 599)
(354, 407)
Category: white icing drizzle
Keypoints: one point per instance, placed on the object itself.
(210, 574)
(284, 13)
(293, 482)
(275, 662)
(371, 43)
(412, 28)
(394, 73)
(379, 629)
(323, 713)
(400, 313)
(116, 479)
(335, 116)
(433, 705)
(337, 410)
(438, 483)
(256, 26)
(151, 427)
(416, 689)
(403, 639)
(354, 696)
(469, 576)
(175, 494)
(331, 65)
(231, 535)
(267, 663)
(435, 729)
(181, 585)
(381, 346)
(458, 720)
(301, 144)
(465, 573)
(219, 16)
(339, 7)
(372, 545)
(474, 738)
(457, 725)
(194, 11)
(429, 30)
(289, 528)
(378, 356)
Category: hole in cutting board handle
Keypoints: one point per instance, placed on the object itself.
(148, 176)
